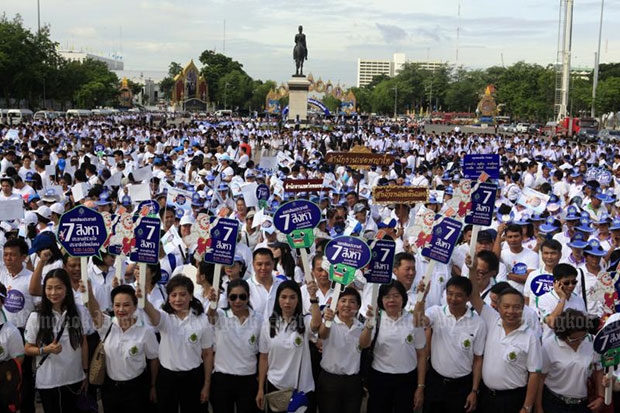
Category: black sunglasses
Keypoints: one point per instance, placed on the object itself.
(234, 297)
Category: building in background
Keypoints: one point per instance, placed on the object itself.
(113, 62)
(369, 69)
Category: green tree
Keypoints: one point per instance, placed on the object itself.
(608, 95)
(234, 90)
(363, 98)
(259, 94)
(99, 86)
(216, 67)
(167, 83)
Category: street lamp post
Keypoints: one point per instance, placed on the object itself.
(395, 89)
(597, 58)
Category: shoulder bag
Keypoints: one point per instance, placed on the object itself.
(96, 373)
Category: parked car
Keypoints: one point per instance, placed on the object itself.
(522, 127)
(609, 135)
(535, 128)
(510, 128)
(587, 135)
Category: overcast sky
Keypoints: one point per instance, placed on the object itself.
(259, 33)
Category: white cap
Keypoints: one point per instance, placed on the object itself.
(57, 208)
(187, 220)
(30, 218)
(44, 211)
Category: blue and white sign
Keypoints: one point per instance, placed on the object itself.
(298, 214)
(482, 205)
(223, 242)
(444, 237)
(82, 232)
(541, 284)
(262, 192)
(347, 250)
(153, 207)
(519, 268)
(381, 262)
(608, 338)
(99, 149)
(475, 164)
(147, 234)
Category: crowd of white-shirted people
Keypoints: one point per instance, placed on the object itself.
(485, 337)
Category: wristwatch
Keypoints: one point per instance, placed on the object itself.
(477, 391)
(314, 301)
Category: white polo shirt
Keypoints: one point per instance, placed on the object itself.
(289, 353)
(568, 370)
(11, 343)
(182, 340)
(59, 369)
(262, 300)
(127, 351)
(236, 343)
(324, 299)
(396, 345)
(508, 358)
(341, 349)
(439, 278)
(546, 303)
(455, 342)
(19, 303)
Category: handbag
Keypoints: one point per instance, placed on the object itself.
(594, 322)
(278, 400)
(96, 373)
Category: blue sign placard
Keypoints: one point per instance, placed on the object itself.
(541, 284)
(82, 232)
(381, 262)
(153, 207)
(347, 250)
(99, 148)
(223, 242)
(475, 164)
(114, 249)
(445, 235)
(519, 268)
(482, 205)
(147, 235)
(608, 337)
(262, 192)
(298, 214)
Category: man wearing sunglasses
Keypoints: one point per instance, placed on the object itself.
(562, 297)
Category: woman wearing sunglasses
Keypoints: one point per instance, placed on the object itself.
(569, 361)
(560, 298)
(237, 328)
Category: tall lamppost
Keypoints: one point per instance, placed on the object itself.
(225, 94)
(395, 89)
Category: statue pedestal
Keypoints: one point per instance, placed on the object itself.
(298, 98)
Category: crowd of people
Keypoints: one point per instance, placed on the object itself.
(509, 329)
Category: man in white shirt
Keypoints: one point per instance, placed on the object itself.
(513, 357)
(562, 297)
(519, 261)
(551, 252)
(263, 284)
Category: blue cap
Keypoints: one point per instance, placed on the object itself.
(41, 242)
(578, 241)
(594, 248)
(584, 225)
(126, 201)
(548, 226)
(572, 213)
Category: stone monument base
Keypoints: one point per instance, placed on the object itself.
(298, 98)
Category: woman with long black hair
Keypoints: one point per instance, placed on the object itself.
(284, 361)
(185, 350)
(54, 335)
(237, 331)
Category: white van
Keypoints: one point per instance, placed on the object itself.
(17, 116)
(78, 113)
(223, 113)
(45, 115)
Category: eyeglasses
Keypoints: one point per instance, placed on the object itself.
(235, 297)
(576, 339)
(567, 283)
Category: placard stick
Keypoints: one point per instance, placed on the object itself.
(118, 267)
(142, 284)
(474, 240)
(426, 279)
(217, 272)
(306, 263)
(609, 389)
(334, 304)
(84, 271)
(374, 295)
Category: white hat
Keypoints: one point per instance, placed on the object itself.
(30, 218)
(44, 211)
(57, 208)
(187, 220)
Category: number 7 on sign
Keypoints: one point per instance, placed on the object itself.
(449, 233)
